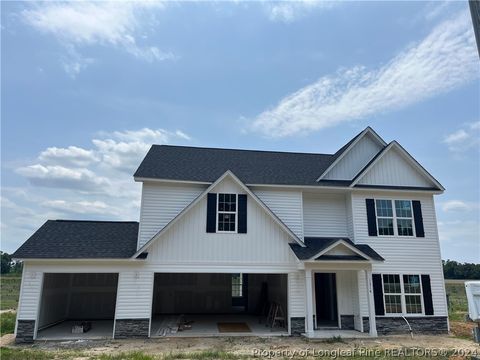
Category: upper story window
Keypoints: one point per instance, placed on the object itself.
(227, 213)
(394, 217)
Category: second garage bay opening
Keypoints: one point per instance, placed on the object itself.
(211, 304)
(77, 306)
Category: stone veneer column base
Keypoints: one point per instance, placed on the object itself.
(132, 328)
(347, 322)
(297, 326)
(25, 331)
(420, 325)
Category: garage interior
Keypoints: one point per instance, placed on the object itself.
(77, 306)
(211, 304)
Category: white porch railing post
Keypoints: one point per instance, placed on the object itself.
(309, 295)
(371, 305)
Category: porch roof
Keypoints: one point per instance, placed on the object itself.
(315, 245)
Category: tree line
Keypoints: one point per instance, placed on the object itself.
(451, 269)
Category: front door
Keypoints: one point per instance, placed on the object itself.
(326, 300)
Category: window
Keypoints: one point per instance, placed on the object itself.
(413, 291)
(393, 294)
(398, 222)
(403, 210)
(237, 285)
(402, 294)
(227, 213)
(384, 217)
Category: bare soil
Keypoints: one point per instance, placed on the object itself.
(246, 345)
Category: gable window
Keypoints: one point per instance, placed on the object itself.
(384, 217)
(394, 217)
(402, 294)
(227, 213)
(403, 210)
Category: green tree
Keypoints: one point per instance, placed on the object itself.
(7, 262)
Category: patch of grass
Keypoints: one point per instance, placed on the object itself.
(7, 323)
(335, 339)
(10, 289)
(203, 355)
(22, 354)
(457, 299)
(137, 355)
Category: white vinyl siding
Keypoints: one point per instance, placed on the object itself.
(355, 160)
(394, 170)
(286, 205)
(296, 294)
(30, 293)
(161, 203)
(134, 296)
(187, 242)
(325, 215)
(403, 254)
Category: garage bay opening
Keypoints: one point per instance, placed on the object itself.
(211, 304)
(77, 306)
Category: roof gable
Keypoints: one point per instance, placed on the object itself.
(352, 157)
(393, 167)
(233, 182)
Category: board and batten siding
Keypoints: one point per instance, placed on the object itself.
(394, 170)
(30, 293)
(404, 255)
(325, 215)
(355, 159)
(134, 295)
(187, 242)
(161, 202)
(286, 205)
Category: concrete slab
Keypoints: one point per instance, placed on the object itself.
(206, 326)
(344, 334)
(101, 329)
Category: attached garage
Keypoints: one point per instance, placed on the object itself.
(76, 306)
(211, 304)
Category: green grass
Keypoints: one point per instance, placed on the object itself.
(7, 323)
(9, 291)
(458, 306)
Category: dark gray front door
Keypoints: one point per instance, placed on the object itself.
(326, 299)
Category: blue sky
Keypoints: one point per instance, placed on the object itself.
(87, 87)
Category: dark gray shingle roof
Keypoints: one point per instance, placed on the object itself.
(250, 166)
(316, 244)
(70, 239)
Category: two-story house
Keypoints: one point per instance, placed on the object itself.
(243, 242)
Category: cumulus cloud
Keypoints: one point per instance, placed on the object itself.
(71, 155)
(106, 23)
(459, 240)
(289, 11)
(445, 59)
(78, 207)
(458, 205)
(464, 139)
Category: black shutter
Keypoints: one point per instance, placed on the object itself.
(211, 212)
(371, 217)
(242, 214)
(427, 295)
(417, 216)
(378, 294)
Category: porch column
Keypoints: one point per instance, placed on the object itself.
(371, 304)
(309, 295)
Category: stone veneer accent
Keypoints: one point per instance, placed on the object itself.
(347, 322)
(420, 325)
(297, 326)
(131, 328)
(25, 331)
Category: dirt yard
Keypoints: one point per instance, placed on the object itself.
(245, 346)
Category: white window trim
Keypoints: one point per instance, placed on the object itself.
(394, 219)
(227, 212)
(402, 294)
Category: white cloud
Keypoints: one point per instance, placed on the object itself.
(459, 240)
(107, 23)
(464, 139)
(458, 205)
(289, 11)
(71, 155)
(79, 207)
(445, 59)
